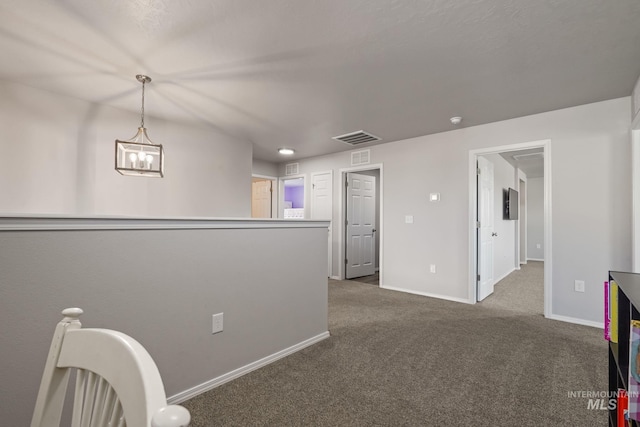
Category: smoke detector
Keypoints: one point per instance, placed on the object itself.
(455, 120)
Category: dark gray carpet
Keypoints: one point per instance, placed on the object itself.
(396, 359)
(522, 290)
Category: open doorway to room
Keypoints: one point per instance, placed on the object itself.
(292, 197)
(360, 234)
(510, 227)
(263, 200)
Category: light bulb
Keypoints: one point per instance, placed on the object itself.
(149, 158)
(133, 157)
(142, 155)
(286, 151)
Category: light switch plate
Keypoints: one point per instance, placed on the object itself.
(408, 219)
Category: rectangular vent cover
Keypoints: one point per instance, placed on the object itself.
(360, 157)
(291, 169)
(357, 138)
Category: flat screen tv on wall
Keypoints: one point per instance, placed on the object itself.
(511, 204)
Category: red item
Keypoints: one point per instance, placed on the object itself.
(623, 405)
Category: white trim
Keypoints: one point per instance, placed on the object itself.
(535, 259)
(577, 321)
(341, 230)
(236, 373)
(335, 277)
(635, 122)
(473, 155)
(58, 223)
(635, 191)
(428, 294)
(257, 175)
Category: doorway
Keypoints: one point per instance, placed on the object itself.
(262, 196)
(292, 197)
(475, 250)
(363, 242)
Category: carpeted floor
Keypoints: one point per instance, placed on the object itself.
(395, 359)
(522, 290)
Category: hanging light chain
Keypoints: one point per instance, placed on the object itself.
(142, 79)
(142, 109)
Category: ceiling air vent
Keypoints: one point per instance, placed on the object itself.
(291, 168)
(360, 157)
(357, 138)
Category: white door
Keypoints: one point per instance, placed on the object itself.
(261, 191)
(322, 205)
(485, 231)
(361, 219)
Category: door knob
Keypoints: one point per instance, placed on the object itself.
(374, 230)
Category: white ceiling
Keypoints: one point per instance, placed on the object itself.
(297, 72)
(530, 161)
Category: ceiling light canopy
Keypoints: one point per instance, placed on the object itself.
(455, 120)
(286, 151)
(139, 156)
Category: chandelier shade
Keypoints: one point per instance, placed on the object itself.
(139, 156)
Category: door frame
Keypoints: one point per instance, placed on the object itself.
(343, 217)
(635, 189)
(281, 181)
(274, 192)
(473, 208)
(521, 236)
(330, 252)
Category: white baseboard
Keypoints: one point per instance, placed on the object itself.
(535, 259)
(427, 294)
(503, 276)
(229, 376)
(335, 277)
(577, 321)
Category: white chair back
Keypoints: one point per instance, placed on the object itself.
(117, 381)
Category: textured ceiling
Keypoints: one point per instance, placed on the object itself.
(297, 72)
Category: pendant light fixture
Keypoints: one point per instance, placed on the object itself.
(139, 156)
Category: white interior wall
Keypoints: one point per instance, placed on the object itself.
(58, 158)
(504, 243)
(535, 219)
(264, 168)
(590, 154)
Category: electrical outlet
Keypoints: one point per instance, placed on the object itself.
(538, 246)
(432, 268)
(408, 219)
(217, 323)
(579, 285)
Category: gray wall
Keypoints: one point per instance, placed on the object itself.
(535, 219)
(261, 167)
(161, 287)
(590, 155)
(58, 157)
